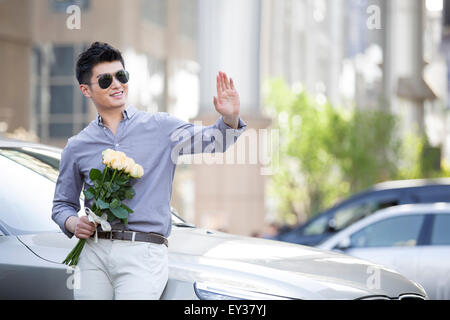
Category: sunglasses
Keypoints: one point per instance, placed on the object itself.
(105, 80)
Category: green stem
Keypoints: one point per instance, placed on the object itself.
(104, 174)
(103, 179)
(114, 174)
(74, 255)
(109, 184)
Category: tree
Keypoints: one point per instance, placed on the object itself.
(327, 153)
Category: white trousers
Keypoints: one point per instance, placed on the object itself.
(121, 270)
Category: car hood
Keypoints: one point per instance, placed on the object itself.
(258, 265)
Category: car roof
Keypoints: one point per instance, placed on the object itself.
(425, 208)
(386, 186)
(410, 183)
(393, 185)
(13, 143)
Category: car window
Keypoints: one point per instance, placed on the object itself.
(391, 232)
(50, 157)
(441, 230)
(43, 162)
(351, 213)
(316, 227)
(26, 197)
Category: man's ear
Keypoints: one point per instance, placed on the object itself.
(85, 90)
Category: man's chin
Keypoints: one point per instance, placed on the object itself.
(118, 104)
(112, 106)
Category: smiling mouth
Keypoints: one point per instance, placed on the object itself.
(117, 94)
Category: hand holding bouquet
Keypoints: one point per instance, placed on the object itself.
(110, 188)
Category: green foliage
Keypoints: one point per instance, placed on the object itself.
(327, 153)
(108, 192)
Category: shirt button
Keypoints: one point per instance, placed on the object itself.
(117, 144)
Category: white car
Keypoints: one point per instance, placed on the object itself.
(412, 239)
(203, 264)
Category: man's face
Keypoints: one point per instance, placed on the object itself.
(113, 97)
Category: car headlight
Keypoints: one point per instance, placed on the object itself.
(212, 291)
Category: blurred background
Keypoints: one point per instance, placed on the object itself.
(357, 90)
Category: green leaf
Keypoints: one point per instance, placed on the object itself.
(111, 216)
(89, 193)
(126, 208)
(97, 184)
(115, 203)
(102, 204)
(119, 212)
(95, 174)
(114, 187)
(122, 180)
(130, 193)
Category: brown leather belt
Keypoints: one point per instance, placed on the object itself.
(138, 236)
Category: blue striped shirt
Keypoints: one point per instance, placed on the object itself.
(153, 140)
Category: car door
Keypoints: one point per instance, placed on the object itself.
(434, 261)
(26, 202)
(391, 242)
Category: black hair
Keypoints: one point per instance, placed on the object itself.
(98, 52)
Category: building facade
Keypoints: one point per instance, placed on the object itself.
(40, 41)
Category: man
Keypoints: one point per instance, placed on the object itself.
(135, 268)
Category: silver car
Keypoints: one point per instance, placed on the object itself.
(412, 239)
(204, 264)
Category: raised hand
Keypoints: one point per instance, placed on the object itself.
(227, 102)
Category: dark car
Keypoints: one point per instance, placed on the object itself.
(382, 195)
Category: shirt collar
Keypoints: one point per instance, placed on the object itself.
(128, 113)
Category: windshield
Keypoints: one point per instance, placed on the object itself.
(26, 197)
(41, 161)
(22, 214)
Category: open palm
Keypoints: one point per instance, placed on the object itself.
(227, 101)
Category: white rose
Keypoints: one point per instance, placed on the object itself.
(120, 155)
(137, 171)
(107, 156)
(128, 165)
(118, 161)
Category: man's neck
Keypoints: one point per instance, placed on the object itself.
(112, 117)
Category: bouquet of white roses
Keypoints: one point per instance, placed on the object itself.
(110, 188)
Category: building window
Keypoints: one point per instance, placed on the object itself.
(155, 11)
(60, 110)
(157, 72)
(188, 18)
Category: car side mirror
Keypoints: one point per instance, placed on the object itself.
(344, 244)
(331, 225)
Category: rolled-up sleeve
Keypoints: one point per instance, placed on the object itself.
(188, 138)
(66, 201)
